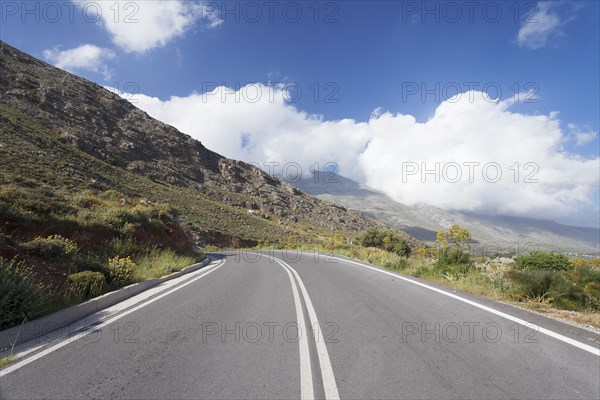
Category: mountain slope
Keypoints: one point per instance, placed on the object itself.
(71, 133)
(508, 234)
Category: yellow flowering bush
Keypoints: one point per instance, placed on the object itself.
(579, 262)
(69, 246)
(120, 270)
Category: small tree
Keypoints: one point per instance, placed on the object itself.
(451, 256)
(457, 236)
(460, 236)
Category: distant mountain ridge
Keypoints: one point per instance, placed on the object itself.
(423, 221)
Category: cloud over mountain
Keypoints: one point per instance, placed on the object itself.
(87, 57)
(473, 154)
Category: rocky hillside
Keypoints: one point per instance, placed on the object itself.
(217, 196)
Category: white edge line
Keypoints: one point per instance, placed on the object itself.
(67, 341)
(306, 380)
(545, 331)
(329, 384)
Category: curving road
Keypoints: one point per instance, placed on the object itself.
(299, 325)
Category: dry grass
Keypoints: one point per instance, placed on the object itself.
(587, 319)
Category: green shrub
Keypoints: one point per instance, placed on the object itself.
(122, 218)
(453, 256)
(43, 248)
(121, 271)
(86, 285)
(588, 280)
(51, 246)
(199, 256)
(394, 262)
(33, 204)
(156, 226)
(577, 289)
(111, 194)
(86, 200)
(567, 296)
(7, 211)
(127, 230)
(540, 260)
(116, 218)
(583, 275)
(453, 262)
(86, 216)
(84, 264)
(592, 293)
(122, 247)
(386, 239)
(7, 239)
(21, 296)
(536, 284)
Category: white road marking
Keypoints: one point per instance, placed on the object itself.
(572, 342)
(306, 380)
(329, 385)
(78, 336)
(31, 346)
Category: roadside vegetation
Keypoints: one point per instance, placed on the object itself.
(58, 250)
(6, 360)
(550, 283)
(73, 226)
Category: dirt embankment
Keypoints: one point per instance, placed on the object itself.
(92, 244)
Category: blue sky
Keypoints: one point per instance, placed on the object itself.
(348, 58)
(371, 51)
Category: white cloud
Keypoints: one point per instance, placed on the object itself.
(488, 133)
(581, 137)
(540, 26)
(87, 56)
(469, 128)
(137, 27)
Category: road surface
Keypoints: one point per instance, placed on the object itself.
(299, 325)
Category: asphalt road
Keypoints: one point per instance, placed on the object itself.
(304, 326)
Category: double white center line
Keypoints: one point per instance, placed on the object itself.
(306, 378)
